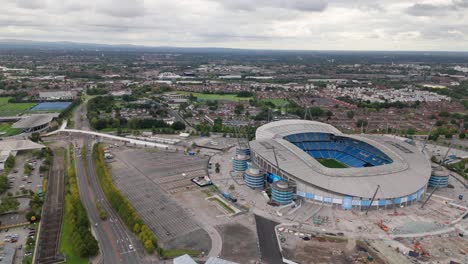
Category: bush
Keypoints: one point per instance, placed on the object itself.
(125, 210)
(84, 243)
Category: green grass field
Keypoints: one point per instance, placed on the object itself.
(225, 97)
(4, 100)
(332, 163)
(6, 130)
(8, 109)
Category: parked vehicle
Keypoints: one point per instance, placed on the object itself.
(229, 197)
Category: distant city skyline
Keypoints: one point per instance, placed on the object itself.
(428, 25)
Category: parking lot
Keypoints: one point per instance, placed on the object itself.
(146, 178)
(19, 180)
(17, 238)
(20, 183)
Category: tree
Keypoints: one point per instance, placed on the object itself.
(35, 137)
(411, 131)
(178, 125)
(462, 135)
(361, 123)
(192, 98)
(444, 114)
(239, 109)
(350, 114)
(439, 123)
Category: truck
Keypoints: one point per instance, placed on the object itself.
(229, 197)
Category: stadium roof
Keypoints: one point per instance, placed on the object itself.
(283, 128)
(409, 171)
(34, 121)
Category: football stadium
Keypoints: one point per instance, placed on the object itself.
(315, 161)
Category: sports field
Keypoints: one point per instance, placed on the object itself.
(6, 130)
(51, 107)
(220, 97)
(332, 163)
(12, 109)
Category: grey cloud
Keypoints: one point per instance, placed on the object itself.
(121, 8)
(298, 5)
(323, 24)
(429, 10)
(31, 4)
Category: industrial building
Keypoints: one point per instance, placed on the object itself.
(12, 146)
(57, 95)
(316, 162)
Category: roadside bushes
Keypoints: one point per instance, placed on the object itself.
(84, 243)
(123, 207)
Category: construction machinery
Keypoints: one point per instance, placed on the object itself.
(417, 247)
(383, 226)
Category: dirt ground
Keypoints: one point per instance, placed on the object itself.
(442, 248)
(326, 250)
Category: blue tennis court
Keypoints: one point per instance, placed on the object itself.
(51, 106)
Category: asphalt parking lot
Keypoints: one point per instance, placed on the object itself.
(239, 243)
(18, 182)
(145, 177)
(20, 245)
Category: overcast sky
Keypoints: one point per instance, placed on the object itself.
(259, 24)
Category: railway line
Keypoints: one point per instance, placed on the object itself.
(52, 215)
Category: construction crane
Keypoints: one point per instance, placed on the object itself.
(373, 197)
(427, 138)
(429, 197)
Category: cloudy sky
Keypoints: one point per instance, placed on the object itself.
(260, 24)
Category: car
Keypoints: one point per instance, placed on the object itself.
(22, 186)
(130, 247)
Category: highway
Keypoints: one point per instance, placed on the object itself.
(114, 238)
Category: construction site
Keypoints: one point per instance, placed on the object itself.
(430, 230)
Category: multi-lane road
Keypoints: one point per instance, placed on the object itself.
(117, 244)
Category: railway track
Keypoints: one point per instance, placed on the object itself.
(52, 215)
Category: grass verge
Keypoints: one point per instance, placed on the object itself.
(223, 205)
(67, 245)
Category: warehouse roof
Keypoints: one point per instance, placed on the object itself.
(18, 144)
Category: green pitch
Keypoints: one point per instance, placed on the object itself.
(12, 109)
(332, 163)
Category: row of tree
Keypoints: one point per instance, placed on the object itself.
(121, 205)
(9, 164)
(84, 243)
